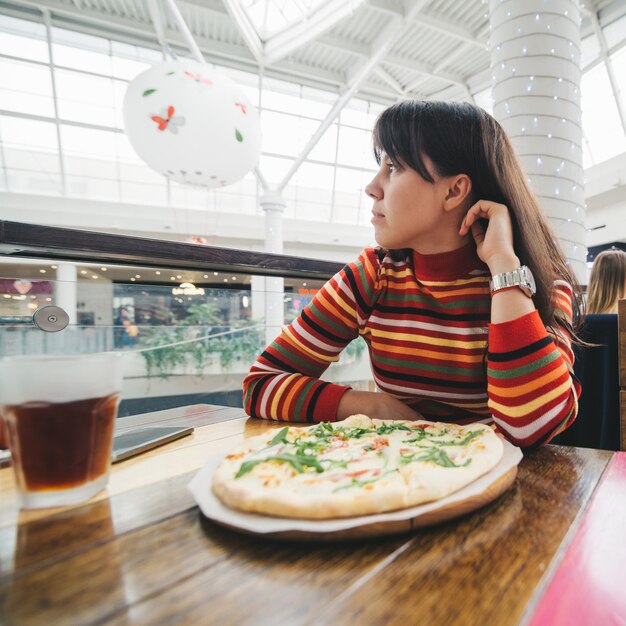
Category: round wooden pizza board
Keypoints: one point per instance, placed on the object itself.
(393, 527)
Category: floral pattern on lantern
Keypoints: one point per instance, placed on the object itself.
(192, 124)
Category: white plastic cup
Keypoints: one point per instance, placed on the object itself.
(60, 414)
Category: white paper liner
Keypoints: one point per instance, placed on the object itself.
(200, 487)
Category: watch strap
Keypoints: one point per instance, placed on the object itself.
(515, 278)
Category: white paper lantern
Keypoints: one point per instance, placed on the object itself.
(192, 124)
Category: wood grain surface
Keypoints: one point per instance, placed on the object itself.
(593, 562)
(50, 242)
(143, 554)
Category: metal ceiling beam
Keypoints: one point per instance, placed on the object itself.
(305, 73)
(451, 93)
(433, 23)
(436, 70)
(396, 61)
(246, 29)
(350, 47)
(381, 47)
(157, 21)
(424, 70)
(238, 56)
(234, 55)
(390, 80)
(376, 93)
(445, 28)
(320, 21)
(384, 6)
(183, 29)
(393, 60)
(218, 11)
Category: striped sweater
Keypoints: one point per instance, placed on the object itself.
(426, 324)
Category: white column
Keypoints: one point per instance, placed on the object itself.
(65, 290)
(535, 63)
(273, 204)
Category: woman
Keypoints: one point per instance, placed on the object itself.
(607, 283)
(452, 210)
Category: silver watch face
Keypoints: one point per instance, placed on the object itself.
(528, 275)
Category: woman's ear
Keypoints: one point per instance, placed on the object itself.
(458, 193)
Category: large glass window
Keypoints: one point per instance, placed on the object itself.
(94, 55)
(31, 155)
(95, 160)
(23, 39)
(601, 121)
(76, 145)
(615, 32)
(86, 98)
(26, 88)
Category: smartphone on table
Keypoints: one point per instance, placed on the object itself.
(131, 443)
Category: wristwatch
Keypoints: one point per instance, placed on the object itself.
(522, 277)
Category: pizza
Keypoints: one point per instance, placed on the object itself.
(354, 467)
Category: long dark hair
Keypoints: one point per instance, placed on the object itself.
(460, 138)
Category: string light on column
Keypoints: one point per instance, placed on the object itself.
(535, 67)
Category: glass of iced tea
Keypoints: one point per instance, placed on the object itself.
(59, 412)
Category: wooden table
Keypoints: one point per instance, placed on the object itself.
(550, 551)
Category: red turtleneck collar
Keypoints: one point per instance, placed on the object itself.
(447, 265)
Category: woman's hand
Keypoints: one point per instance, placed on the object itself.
(495, 245)
(380, 406)
(495, 248)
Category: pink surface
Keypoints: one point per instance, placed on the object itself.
(589, 586)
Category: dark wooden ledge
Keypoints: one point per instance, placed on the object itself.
(35, 241)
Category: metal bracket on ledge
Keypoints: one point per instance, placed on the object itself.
(52, 319)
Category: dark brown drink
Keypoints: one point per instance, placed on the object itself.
(61, 445)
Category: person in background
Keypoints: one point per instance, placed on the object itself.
(120, 335)
(457, 328)
(132, 333)
(607, 283)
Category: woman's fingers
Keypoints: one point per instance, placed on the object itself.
(478, 232)
(482, 209)
(470, 218)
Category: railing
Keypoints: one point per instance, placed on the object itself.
(19, 240)
(192, 347)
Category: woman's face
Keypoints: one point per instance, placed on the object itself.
(408, 211)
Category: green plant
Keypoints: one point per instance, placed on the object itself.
(200, 314)
(244, 343)
(191, 342)
(355, 347)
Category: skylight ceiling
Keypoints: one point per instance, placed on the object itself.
(441, 51)
(274, 28)
(421, 48)
(270, 17)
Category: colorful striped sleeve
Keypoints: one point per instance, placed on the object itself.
(533, 394)
(283, 383)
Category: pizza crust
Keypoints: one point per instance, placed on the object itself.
(276, 488)
(387, 496)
